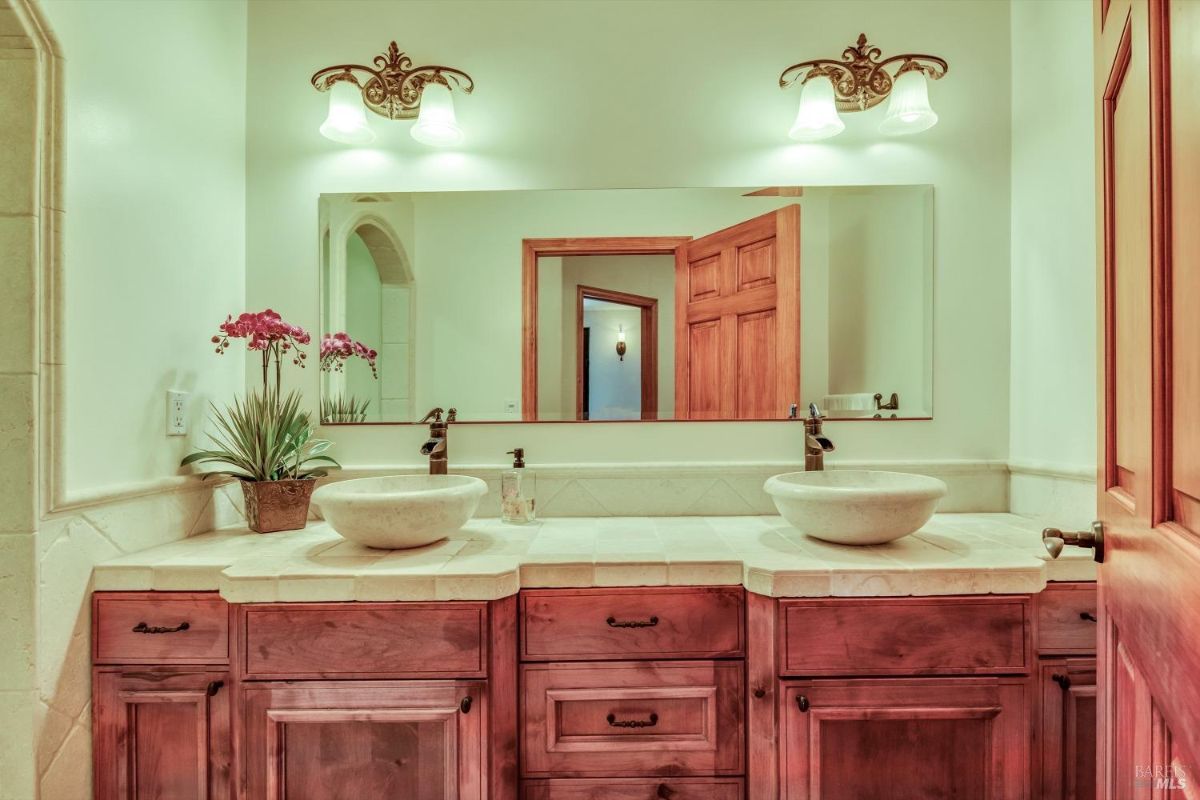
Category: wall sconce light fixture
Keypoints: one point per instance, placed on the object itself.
(620, 342)
(394, 89)
(860, 80)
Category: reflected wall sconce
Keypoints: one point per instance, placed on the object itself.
(620, 342)
(861, 80)
(394, 89)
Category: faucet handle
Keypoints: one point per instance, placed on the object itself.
(815, 412)
(434, 415)
(452, 415)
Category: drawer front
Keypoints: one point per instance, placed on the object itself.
(159, 628)
(906, 636)
(1067, 618)
(368, 640)
(632, 719)
(599, 624)
(634, 789)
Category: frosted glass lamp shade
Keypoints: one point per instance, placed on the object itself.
(818, 117)
(436, 124)
(908, 109)
(347, 120)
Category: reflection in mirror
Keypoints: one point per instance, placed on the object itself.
(652, 304)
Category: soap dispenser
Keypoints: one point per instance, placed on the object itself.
(517, 502)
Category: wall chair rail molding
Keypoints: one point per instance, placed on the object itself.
(396, 90)
(861, 80)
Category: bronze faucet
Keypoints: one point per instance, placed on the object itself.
(437, 446)
(816, 444)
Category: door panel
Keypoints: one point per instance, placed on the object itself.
(162, 733)
(1067, 732)
(885, 739)
(737, 320)
(1148, 130)
(356, 740)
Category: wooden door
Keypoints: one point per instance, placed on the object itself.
(1067, 729)
(353, 740)
(737, 320)
(904, 739)
(1148, 157)
(161, 733)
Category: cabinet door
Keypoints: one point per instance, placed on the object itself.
(161, 733)
(905, 739)
(354, 740)
(1068, 732)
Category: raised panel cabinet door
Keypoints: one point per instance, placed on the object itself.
(737, 320)
(161, 734)
(905, 739)
(354, 740)
(1066, 732)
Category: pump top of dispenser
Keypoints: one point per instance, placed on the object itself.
(518, 455)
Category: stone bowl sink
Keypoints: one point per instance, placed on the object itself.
(855, 506)
(399, 511)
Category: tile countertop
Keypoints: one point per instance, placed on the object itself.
(487, 559)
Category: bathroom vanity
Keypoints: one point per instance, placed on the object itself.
(254, 666)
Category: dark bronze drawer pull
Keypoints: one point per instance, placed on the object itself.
(1062, 680)
(802, 702)
(664, 792)
(632, 723)
(465, 705)
(142, 627)
(1087, 615)
(213, 688)
(613, 622)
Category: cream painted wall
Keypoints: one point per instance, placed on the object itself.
(878, 299)
(146, 237)
(649, 276)
(154, 242)
(1053, 388)
(592, 101)
(615, 383)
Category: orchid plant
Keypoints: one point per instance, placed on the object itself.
(336, 350)
(266, 436)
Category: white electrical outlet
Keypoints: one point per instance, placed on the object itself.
(177, 403)
(510, 406)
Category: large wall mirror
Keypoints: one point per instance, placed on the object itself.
(628, 304)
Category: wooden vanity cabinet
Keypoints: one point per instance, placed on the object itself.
(162, 689)
(1066, 731)
(890, 698)
(162, 732)
(963, 738)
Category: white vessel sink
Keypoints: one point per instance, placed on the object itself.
(400, 511)
(855, 506)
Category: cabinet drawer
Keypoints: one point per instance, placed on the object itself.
(599, 624)
(634, 789)
(159, 628)
(369, 640)
(632, 719)
(905, 636)
(1066, 615)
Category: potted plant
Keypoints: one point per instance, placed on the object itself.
(336, 350)
(266, 440)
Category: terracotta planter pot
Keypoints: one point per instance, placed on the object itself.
(278, 505)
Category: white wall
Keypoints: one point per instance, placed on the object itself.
(364, 323)
(154, 243)
(649, 276)
(615, 383)
(574, 95)
(1053, 388)
(150, 219)
(878, 301)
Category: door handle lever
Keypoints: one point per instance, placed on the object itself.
(1055, 540)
